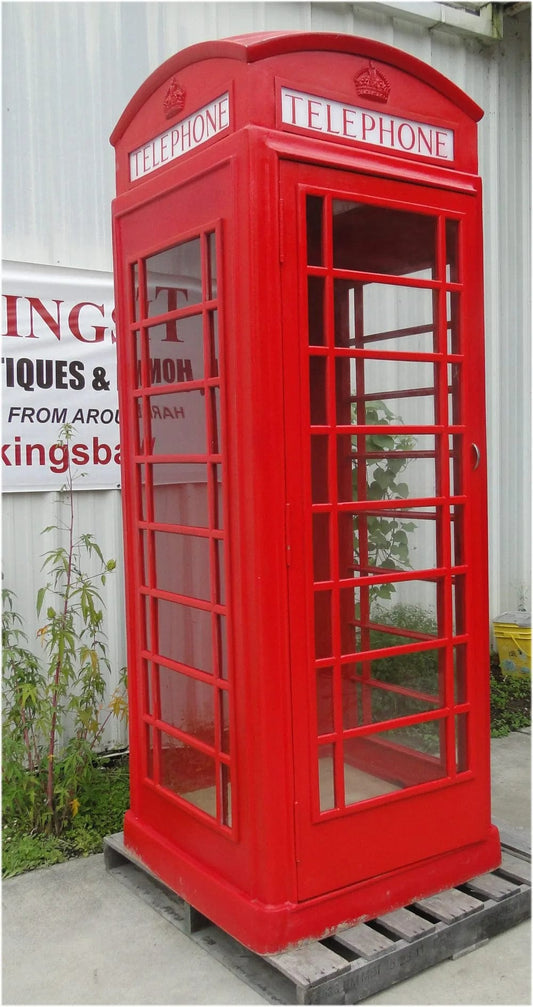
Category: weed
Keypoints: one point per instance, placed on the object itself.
(510, 701)
(45, 779)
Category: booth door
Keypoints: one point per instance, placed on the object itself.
(383, 373)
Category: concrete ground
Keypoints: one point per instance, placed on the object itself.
(74, 935)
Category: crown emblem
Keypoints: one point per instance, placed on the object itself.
(371, 83)
(174, 99)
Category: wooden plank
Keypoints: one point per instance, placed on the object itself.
(309, 964)
(490, 886)
(515, 869)
(193, 920)
(405, 924)
(450, 905)
(514, 839)
(409, 958)
(365, 941)
(471, 947)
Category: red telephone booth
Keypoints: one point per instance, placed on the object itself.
(298, 249)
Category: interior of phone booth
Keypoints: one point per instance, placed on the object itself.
(375, 333)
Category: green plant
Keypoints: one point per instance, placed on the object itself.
(387, 457)
(103, 801)
(43, 775)
(510, 700)
(418, 669)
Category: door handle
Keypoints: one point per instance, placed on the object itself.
(477, 456)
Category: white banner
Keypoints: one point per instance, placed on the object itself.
(58, 366)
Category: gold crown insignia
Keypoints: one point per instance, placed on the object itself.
(371, 83)
(174, 99)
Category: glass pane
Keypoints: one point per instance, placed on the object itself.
(410, 673)
(326, 777)
(399, 624)
(141, 447)
(176, 351)
(174, 278)
(225, 793)
(321, 559)
(222, 645)
(137, 354)
(224, 720)
(189, 773)
(144, 558)
(323, 639)
(380, 316)
(364, 784)
(458, 606)
(452, 251)
(318, 390)
(401, 539)
(324, 700)
(319, 469)
(149, 752)
(453, 301)
(134, 291)
(178, 423)
(378, 392)
(212, 286)
(389, 615)
(351, 696)
(384, 466)
(187, 704)
(455, 388)
(214, 420)
(146, 624)
(180, 494)
(185, 635)
(379, 239)
(461, 742)
(455, 443)
(220, 587)
(182, 564)
(391, 760)
(314, 230)
(139, 488)
(215, 478)
(426, 738)
(459, 667)
(315, 311)
(147, 695)
(213, 347)
(458, 538)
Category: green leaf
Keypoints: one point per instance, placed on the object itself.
(374, 491)
(41, 594)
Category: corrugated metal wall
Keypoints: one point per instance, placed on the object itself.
(69, 69)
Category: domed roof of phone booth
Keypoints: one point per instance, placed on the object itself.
(257, 46)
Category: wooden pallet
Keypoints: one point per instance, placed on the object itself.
(352, 964)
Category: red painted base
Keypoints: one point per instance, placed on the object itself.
(267, 929)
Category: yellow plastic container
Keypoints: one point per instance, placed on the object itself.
(513, 638)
